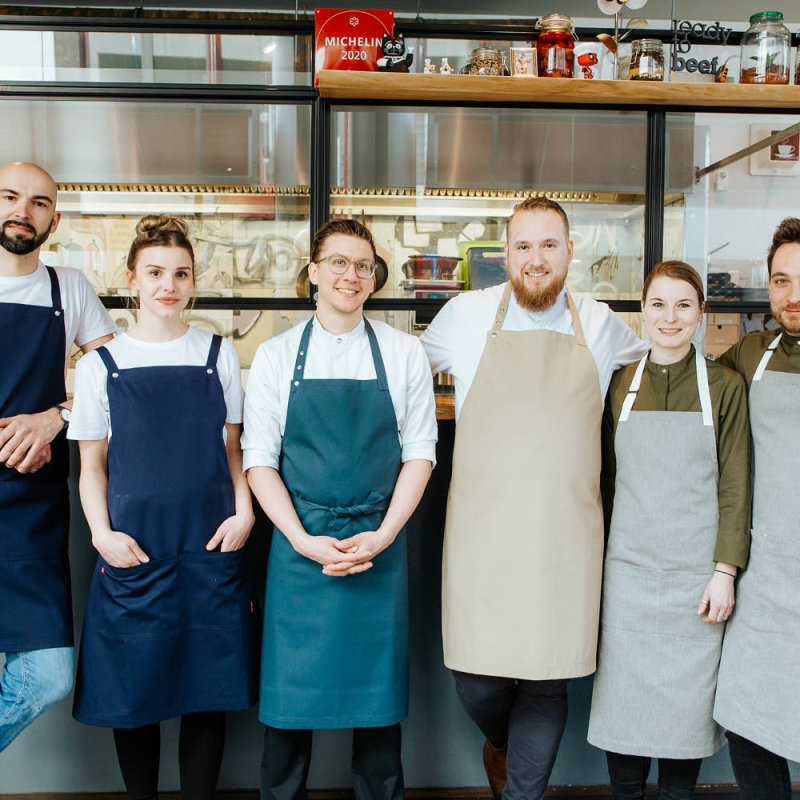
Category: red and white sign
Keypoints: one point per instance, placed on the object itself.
(346, 38)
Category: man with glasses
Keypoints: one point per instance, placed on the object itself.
(43, 310)
(339, 443)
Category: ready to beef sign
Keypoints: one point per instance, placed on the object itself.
(349, 39)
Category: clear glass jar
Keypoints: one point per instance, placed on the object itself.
(647, 60)
(555, 46)
(484, 61)
(766, 46)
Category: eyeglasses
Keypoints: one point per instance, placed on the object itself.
(339, 265)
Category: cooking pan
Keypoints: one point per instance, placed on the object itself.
(431, 268)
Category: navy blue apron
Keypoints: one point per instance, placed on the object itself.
(35, 600)
(335, 649)
(178, 634)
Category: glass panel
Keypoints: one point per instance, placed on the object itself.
(215, 165)
(155, 58)
(723, 224)
(441, 182)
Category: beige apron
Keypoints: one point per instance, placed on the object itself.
(657, 665)
(523, 549)
(758, 689)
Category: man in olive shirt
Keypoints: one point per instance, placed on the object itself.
(758, 689)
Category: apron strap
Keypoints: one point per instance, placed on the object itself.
(55, 290)
(702, 388)
(577, 328)
(111, 365)
(502, 310)
(300, 359)
(374, 502)
(633, 390)
(768, 353)
(377, 358)
(213, 351)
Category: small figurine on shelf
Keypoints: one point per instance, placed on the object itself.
(429, 68)
(395, 58)
(445, 68)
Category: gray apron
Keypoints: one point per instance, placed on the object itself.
(657, 662)
(758, 693)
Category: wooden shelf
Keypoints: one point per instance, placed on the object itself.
(341, 85)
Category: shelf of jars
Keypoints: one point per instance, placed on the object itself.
(387, 86)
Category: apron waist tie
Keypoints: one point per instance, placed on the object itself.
(375, 501)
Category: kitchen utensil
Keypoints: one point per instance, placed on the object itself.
(431, 267)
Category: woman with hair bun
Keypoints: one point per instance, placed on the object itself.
(170, 627)
(676, 473)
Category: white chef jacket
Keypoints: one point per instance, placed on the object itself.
(454, 341)
(90, 412)
(85, 319)
(338, 356)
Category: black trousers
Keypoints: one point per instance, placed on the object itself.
(761, 774)
(528, 715)
(376, 767)
(628, 775)
(200, 746)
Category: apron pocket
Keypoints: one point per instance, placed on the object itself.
(139, 601)
(214, 589)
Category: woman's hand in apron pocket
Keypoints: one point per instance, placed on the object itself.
(718, 598)
(232, 533)
(119, 550)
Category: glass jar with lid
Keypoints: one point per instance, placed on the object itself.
(484, 61)
(766, 46)
(555, 46)
(647, 60)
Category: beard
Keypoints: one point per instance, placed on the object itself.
(789, 322)
(18, 244)
(536, 299)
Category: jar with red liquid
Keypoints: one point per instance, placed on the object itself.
(555, 46)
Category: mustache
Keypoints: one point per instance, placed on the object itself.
(792, 307)
(20, 224)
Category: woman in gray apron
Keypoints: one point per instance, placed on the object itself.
(679, 484)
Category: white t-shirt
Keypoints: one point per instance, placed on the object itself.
(338, 356)
(85, 319)
(90, 414)
(454, 341)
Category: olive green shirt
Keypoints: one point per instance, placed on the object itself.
(673, 387)
(746, 354)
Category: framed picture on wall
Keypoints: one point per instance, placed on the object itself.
(780, 158)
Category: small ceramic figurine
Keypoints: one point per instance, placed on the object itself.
(445, 68)
(429, 68)
(395, 58)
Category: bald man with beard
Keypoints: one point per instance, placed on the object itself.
(43, 310)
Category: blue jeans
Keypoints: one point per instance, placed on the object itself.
(32, 681)
(528, 715)
(761, 775)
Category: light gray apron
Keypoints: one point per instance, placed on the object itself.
(657, 663)
(758, 693)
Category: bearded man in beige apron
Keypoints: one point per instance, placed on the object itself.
(523, 544)
(758, 688)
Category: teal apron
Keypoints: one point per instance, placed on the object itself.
(335, 649)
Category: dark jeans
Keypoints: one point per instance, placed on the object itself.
(628, 775)
(528, 715)
(376, 767)
(761, 775)
(200, 746)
